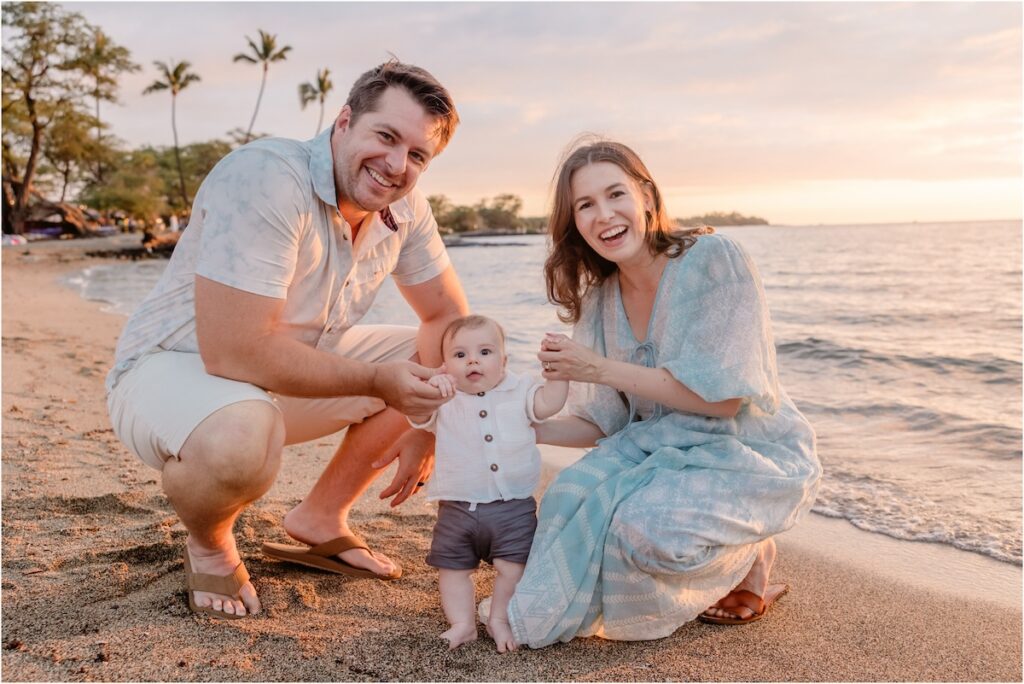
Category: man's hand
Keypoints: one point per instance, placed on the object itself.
(403, 385)
(415, 453)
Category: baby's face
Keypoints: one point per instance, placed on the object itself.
(476, 357)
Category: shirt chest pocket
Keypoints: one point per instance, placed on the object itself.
(374, 268)
(514, 426)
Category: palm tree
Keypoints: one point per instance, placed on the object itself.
(264, 53)
(176, 78)
(316, 91)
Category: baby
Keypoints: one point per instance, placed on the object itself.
(486, 468)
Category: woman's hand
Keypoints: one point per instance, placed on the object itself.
(563, 359)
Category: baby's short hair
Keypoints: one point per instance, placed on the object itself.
(472, 322)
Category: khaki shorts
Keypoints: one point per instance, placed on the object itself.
(157, 404)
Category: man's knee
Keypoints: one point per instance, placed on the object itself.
(238, 445)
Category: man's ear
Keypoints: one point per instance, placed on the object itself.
(341, 123)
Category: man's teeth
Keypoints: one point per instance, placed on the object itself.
(613, 232)
(379, 178)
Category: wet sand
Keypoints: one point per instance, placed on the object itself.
(92, 581)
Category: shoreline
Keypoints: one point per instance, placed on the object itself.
(92, 571)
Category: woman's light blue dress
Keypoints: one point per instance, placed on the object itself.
(663, 517)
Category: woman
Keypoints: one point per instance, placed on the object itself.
(701, 457)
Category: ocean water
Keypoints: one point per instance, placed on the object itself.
(900, 343)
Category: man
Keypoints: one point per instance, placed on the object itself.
(247, 343)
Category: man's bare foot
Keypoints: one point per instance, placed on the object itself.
(316, 530)
(221, 563)
(460, 633)
(755, 582)
(501, 632)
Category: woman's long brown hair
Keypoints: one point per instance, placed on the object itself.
(572, 268)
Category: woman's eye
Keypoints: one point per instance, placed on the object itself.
(582, 205)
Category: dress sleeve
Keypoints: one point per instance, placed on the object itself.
(718, 338)
(598, 404)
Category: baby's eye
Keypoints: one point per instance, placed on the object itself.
(485, 352)
(460, 355)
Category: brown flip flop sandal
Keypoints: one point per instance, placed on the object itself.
(771, 594)
(228, 585)
(324, 556)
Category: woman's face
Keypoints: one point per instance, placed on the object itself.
(609, 207)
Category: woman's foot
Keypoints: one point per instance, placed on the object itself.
(745, 601)
(316, 530)
(222, 563)
(460, 633)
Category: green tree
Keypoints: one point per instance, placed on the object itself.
(501, 213)
(462, 219)
(263, 54)
(196, 161)
(41, 44)
(134, 186)
(68, 148)
(176, 77)
(440, 206)
(316, 91)
(103, 61)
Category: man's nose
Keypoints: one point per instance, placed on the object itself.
(396, 160)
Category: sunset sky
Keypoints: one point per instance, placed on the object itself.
(802, 113)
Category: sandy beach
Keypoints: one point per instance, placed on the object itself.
(93, 588)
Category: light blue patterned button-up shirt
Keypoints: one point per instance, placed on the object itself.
(266, 221)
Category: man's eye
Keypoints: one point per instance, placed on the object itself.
(419, 158)
(386, 137)
(617, 193)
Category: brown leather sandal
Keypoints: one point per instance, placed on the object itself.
(324, 556)
(228, 585)
(745, 599)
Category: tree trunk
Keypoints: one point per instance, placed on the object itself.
(263, 83)
(177, 153)
(99, 139)
(22, 193)
(320, 121)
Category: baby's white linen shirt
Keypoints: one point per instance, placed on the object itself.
(486, 448)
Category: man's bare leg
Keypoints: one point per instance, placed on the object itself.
(323, 514)
(227, 462)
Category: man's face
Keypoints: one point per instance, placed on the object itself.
(476, 357)
(379, 158)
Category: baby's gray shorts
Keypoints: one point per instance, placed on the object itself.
(499, 529)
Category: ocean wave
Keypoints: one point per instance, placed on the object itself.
(814, 348)
(882, 507)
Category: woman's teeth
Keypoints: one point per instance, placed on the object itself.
(613, 233)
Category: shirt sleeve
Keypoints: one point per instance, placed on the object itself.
(430, 424)
(254, 207)
(423, 255)
(723, 346)
(531, 396)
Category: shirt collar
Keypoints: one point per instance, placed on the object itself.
(508, 383)
(321, 169)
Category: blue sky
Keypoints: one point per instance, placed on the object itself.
(799, 112)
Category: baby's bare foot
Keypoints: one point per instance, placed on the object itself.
(501, 632)
(460, 633)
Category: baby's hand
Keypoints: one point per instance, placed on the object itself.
(445, 383)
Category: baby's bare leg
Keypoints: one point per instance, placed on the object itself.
(458, 601)
(504, 586)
